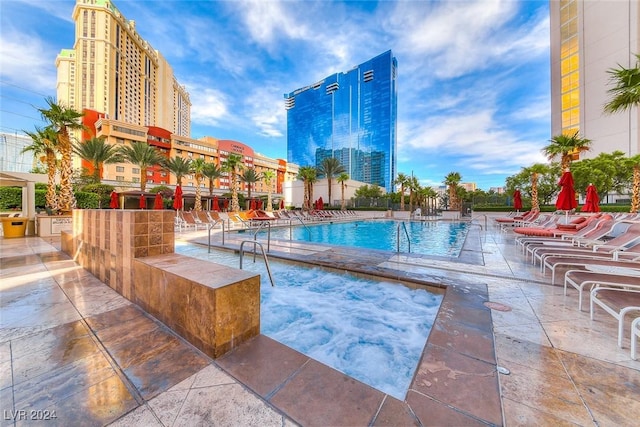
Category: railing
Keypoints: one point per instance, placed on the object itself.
(210, 227)
(485, 220)
(259, 227)
(404, 227)
(264, 255)
(303, 224)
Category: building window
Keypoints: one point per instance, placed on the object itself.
(119, 178)
(135, 170)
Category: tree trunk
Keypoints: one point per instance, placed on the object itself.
(534, 193)
(342, 206)
(235, 205)
(51, 196)
(67, 200)
(143, 179)
(198, 203)
(635, 196)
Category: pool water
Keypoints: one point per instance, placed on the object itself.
(427, 237)
(373, 331)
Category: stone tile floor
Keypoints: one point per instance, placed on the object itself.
(70, 344)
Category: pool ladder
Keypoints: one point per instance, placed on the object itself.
(406, 233)
(264, 256)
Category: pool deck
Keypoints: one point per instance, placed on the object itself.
(72, 347)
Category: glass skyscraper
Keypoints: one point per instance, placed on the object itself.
(350, 116)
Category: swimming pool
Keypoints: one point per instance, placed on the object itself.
(371, 330)
(427, 237)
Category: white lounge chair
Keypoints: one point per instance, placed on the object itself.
(618, 302)
(580, 279)
(635, 334)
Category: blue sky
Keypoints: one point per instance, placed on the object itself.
(473, 76)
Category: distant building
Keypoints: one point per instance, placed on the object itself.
(351, 116)
(128, 93)
(111, 69)
(12, 159)
(587, 39)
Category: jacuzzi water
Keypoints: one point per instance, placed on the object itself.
(373, 331)
(427, 237)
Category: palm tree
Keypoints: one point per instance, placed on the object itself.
(197, 168)
(212, 172)
(231, 166)
(179, 166)
(626, 94)
(432, 196)
(626, 91)
(308, 175)
(402, 180)
(249, 176)
(63, 120)
(342, 179)
(414, 186)
(267, 178)
(452, 180)
(566, 147)
(329, 167)
(634, 162)
(43, 145)
(535, 172)
(98, 152)
(143, 155)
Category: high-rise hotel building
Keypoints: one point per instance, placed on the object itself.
(113, 70)
(350, 116)
(587, 39)
(128, 93)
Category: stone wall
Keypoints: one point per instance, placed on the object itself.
(105, 242)
(214, 307)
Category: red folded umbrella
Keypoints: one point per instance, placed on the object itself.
(517, 200)
(281, 203)
(567, 197)
(177, 198)
(143, 202)
(592, 200)
(158, 203)
(115, 203)
(216, 204)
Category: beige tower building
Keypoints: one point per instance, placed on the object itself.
(111, 69)
(589, 37)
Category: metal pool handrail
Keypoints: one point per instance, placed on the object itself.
(303, 224)
(264, 255)
(404, 227)
(210, 227)
(259, 227)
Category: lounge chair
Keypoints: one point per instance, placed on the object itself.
(610, 250)
(635, 333)
(507, 220)
(618, 302)
(554, 263)
(593, 229)
(580, 279)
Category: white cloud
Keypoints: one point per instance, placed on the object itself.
(474, 138)
(60, 9)
(208, 106)
(24, 55)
